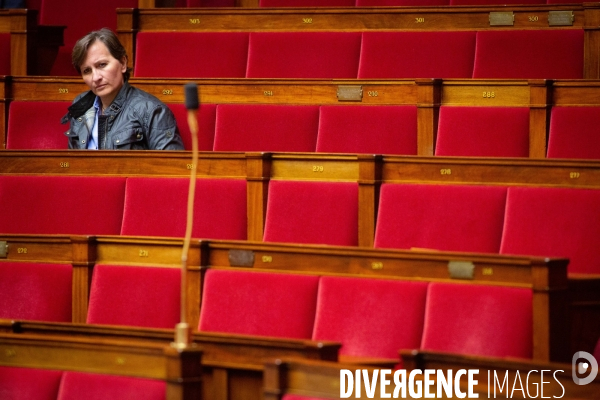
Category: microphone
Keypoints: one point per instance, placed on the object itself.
(183, 332)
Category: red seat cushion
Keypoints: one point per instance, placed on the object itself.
(417, 55)
(303, 54)
(196, 54)
(78, 385)
(206, 117)
(219, 208)
(483, 132)
(574, 133)
(61, 205)
(312, 213)
(441, 217)
(36, 125)
(492, 321)
(361, 325)
(35, 291)
(28, 383)
(135, 296)
(257, 303)
(368, 129)
(284, 128)
(529, 54)
(554, 222)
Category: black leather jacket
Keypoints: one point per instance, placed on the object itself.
(135, 120)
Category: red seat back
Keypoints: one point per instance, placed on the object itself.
(29, 383)
(135, 296)
(483, 132)
(303, 54)
(554, 222)
(36, 125)
(349, 312)
(61, 205)
(219, 208)
(35, 291)
(441, 217)
(529, 54)
(312, 213)
(306, 3)
(257, 303)
(492, 321)
(195, 54)
(247, 127)
(368, 129)
(78, 385)
(417, 55)
(206, 116)
(574, 133)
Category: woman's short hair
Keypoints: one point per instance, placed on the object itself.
(110, 40)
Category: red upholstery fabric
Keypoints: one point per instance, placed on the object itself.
(306, 3)
(483, 131)
(574, 133)
(61, 12)
(210, 3)
(219, 208)
(5, 54)
(298, 397)
(244, 127)
(368, 129)
(135, 296)
(30, 291)
(371, 3)
(28, 383)
(80, 385)
(207, 115)
(492, 321)
(417, 55)
(61, 205)
(36, 125)
(529, 54)
(312, 213)
(441, 217)
(554, 222)
(493, 2)
(303, 54)
(258, 303)
(349, 311)
(191, 54)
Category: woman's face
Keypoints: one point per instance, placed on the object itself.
(102, 72)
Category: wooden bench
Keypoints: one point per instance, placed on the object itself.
(178, 369)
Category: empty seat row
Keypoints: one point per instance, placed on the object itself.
(539, 221)
(519, 54)
(461, 131)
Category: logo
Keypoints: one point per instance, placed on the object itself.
(590, 365)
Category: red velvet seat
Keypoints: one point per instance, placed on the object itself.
(492, 321)
(303, 54)
(35, 291)
(29, 383)
(208, 3)
(574, 133)
(312, 213)
(36, 125)
(554, 222)
(493, 2)
(483, 132)
(417, 55)
(368, 129)
(306, 3)
(258, 303)
(441, 217)
(219, 208)
(61, 205)
(529, 54)
(5, 54)
(81, 385)
(387, 3)
(283, 128)
(191, 54)
(135, 296)
(350, 311)
(206, 115)
(70, 13)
